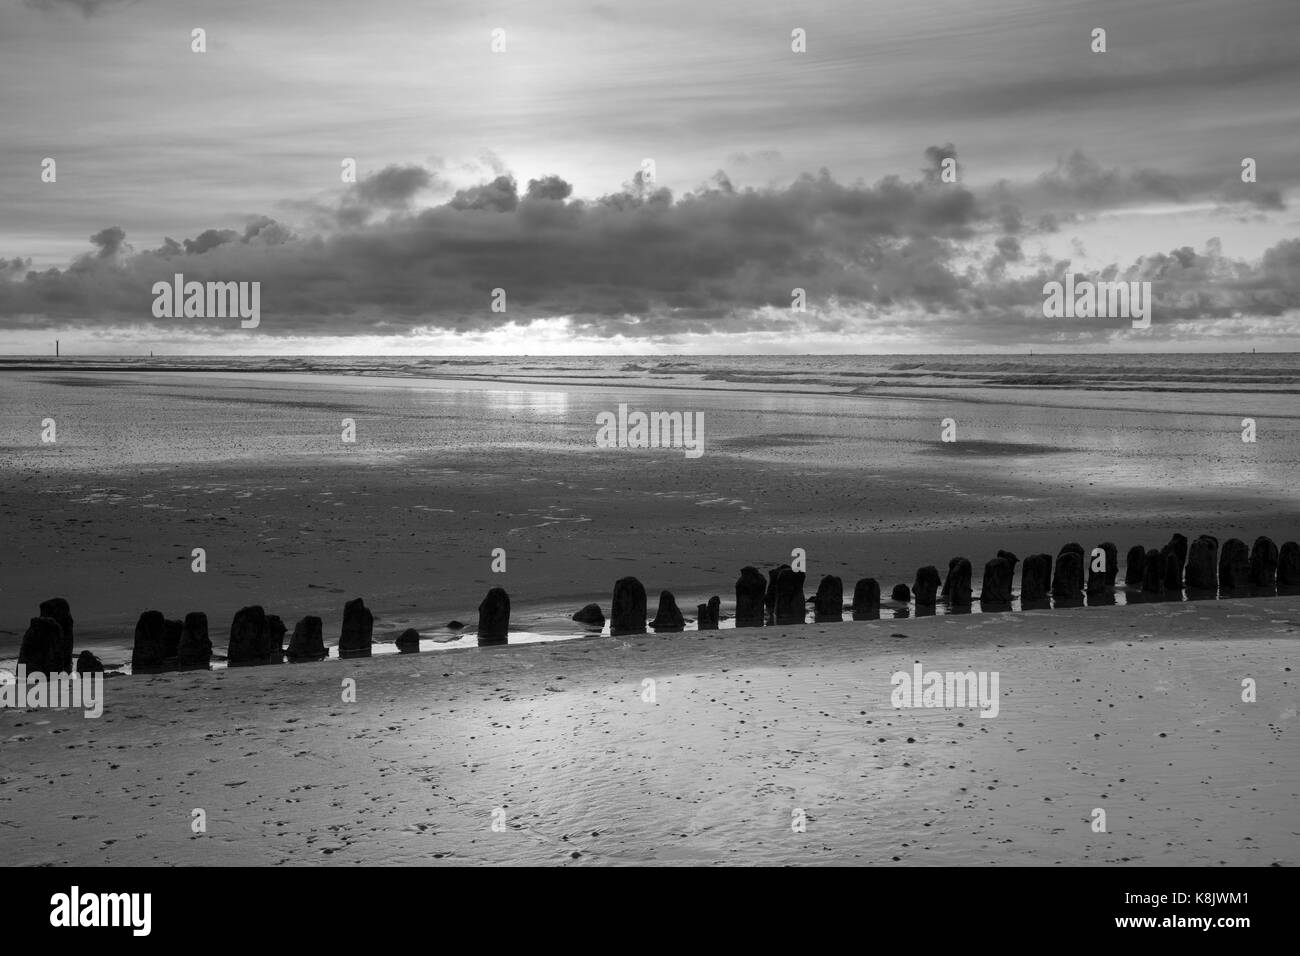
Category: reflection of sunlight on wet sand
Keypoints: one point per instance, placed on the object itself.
(1143, 441)
(552, 402)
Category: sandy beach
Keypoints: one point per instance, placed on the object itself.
(1135, 710)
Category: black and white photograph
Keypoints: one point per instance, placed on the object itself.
(852, 433)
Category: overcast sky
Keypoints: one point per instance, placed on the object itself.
(773, 170)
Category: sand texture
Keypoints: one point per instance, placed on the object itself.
(1136, 710)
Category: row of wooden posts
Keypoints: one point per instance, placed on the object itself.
(1201, 567)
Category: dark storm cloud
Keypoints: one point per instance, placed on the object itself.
(266, 230)
(393, 186)
(1198, 285)
(110, 241)
(1082, 179)
(549, 187)
(12, 268)
(209, 239)
(644, 263)
(390, 189)
(638, 261)
(1009, 248)
(500, 195)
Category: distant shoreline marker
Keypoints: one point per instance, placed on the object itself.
(56, 348)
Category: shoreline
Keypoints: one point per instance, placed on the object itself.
(560, 627)
(1117, 397)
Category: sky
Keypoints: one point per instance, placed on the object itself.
(647, 178)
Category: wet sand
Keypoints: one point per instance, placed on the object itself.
(1134, 710)
(251, 468)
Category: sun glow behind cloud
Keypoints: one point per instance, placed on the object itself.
(168, 145)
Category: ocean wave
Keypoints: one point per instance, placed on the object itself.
(1274, 373)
